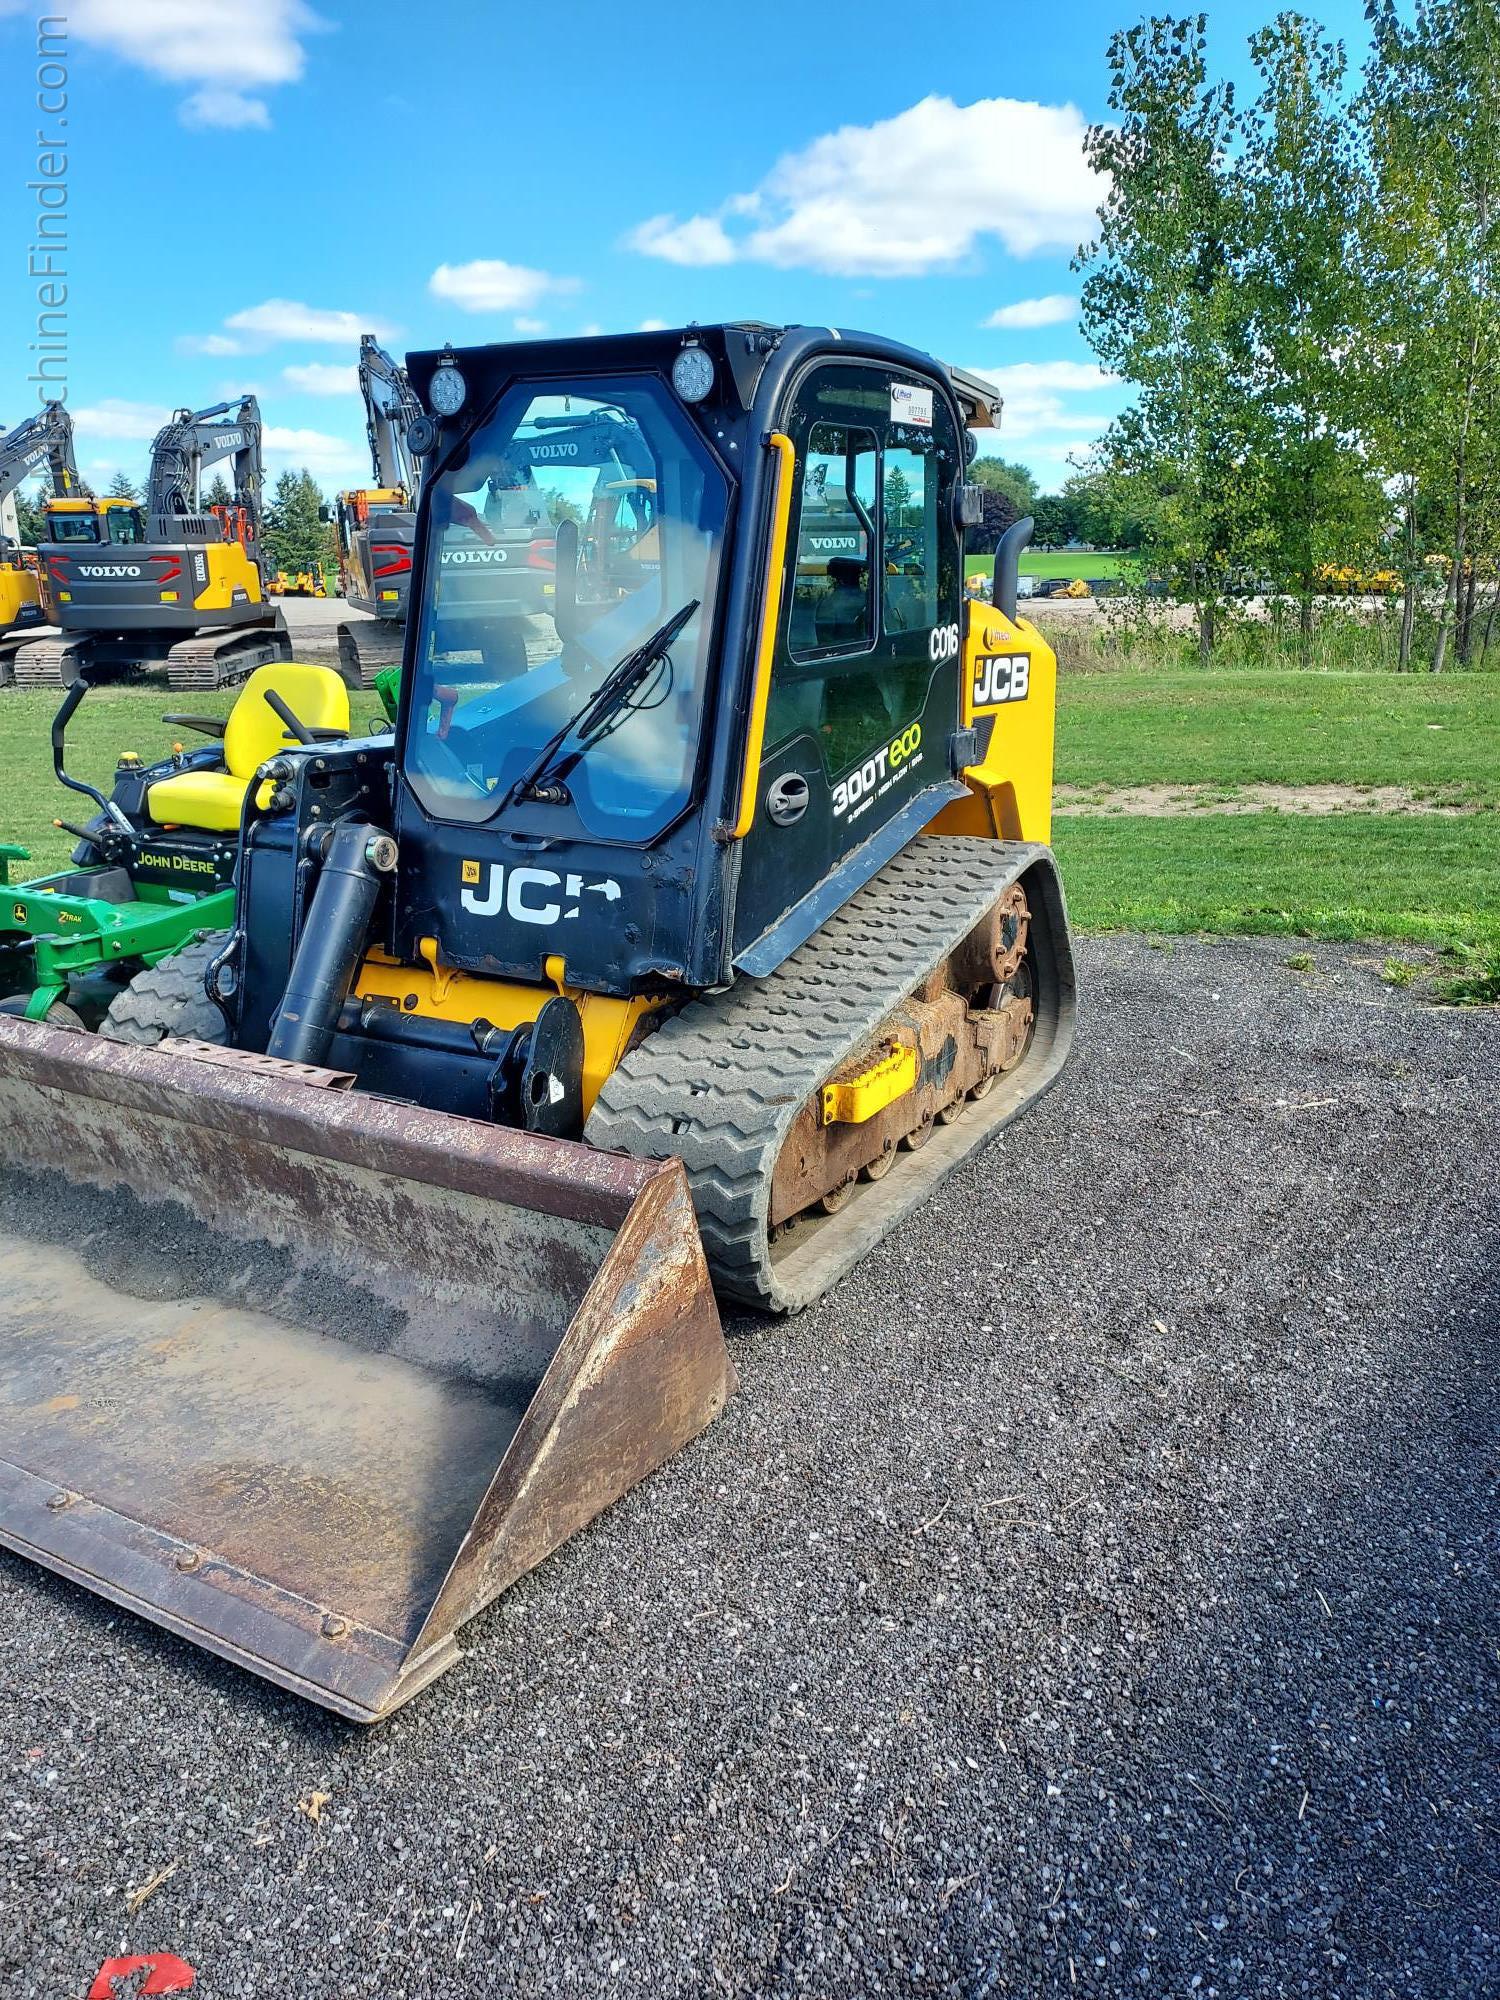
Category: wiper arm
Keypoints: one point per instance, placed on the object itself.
(594, 719)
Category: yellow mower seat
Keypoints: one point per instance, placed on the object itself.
(254, 732)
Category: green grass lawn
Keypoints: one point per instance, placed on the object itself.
(1345, 875)
(1086, 563)
(1438, 736)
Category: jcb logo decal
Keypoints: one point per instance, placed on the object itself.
(531, 895)
(1001, 677)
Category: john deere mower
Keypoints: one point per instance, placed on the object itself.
(154, 865)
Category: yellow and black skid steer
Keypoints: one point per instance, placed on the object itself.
(681, 948)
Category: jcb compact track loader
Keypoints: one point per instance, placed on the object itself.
(697, 948)
(174, 584)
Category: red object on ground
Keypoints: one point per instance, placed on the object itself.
(167, 1975)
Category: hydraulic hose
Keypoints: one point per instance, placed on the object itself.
(328, 955)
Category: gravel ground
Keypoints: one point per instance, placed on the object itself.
(1096, 1595)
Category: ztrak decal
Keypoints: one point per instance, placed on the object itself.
(1000, 678)
(531, 895)
(857, 792)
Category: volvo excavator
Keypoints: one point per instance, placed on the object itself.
(174, 585)
(377, 524)
(43, 443)
(686, 957)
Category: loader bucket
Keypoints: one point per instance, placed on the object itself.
(308, 1376)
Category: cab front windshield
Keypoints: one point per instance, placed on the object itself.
(520, 624)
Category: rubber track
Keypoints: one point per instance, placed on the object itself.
(367, 649)
(38, 664)
(219, 659)
(721, 1083)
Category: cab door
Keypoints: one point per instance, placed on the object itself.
(865, 692)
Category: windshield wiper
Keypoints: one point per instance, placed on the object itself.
(597, 715)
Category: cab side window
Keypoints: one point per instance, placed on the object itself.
(874, 560)
(910, 539)
(833, 587)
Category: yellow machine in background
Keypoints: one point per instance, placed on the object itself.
(43, 444)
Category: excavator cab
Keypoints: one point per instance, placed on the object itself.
(684, 934)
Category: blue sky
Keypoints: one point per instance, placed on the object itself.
(252, 183)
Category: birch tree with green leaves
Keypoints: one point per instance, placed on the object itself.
(1430, 112)
(1165, 305)
(1304, 197)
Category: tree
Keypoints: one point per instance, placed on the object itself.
(29, 522)
(218, 494)
(1015, 481)
(1304, 201)
(1165, 306)
(123, 487)
(1056, 520)
(294, 534)
(1431, 114)
(1000, 510)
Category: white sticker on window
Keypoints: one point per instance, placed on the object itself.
(910, 405)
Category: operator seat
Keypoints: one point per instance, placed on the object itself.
(214, 800)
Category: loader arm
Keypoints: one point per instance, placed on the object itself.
(45, 440)
(194, 440)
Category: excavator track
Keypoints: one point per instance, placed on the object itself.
(40, 662)
(721, 1084)
(206, 660)
(366, 648)
(218, 659)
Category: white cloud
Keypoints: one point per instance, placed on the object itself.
(207, 343)
(323, 378)
(702, 239)
(116, 417)
(489, 284)
(1035, 394)
(193, 42)
(653, 326)
(530, 326)
(1027, 377)
(904, 196)
(229, 110)
(1054, 310)
(328, 458)
(288, 319)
